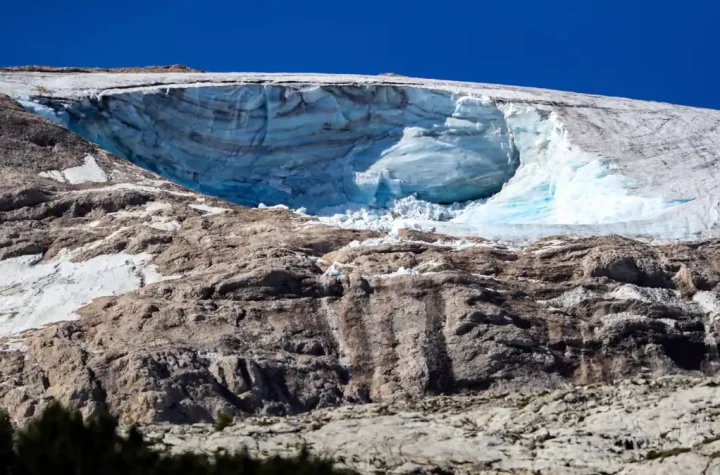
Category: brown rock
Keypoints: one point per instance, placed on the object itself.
(251, 324)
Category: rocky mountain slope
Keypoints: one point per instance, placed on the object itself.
(668, 426)
(166, 306)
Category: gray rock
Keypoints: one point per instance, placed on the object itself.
(671, 427)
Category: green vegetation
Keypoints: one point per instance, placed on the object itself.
(60, 442)
(222, 420)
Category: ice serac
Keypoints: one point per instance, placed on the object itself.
(309, 147)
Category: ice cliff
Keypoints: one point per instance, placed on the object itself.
(309, 147)
(358, 151)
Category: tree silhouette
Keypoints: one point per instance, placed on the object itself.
(60, 442)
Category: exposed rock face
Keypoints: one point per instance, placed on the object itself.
(641, 427)
(266, 312)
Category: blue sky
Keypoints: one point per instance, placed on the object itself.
(659, 50)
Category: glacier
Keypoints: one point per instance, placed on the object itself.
(384, 152)
(309, 147)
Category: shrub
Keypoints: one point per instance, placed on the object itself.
(60, 442)
(222, 420)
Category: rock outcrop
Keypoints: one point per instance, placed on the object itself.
(640, 427)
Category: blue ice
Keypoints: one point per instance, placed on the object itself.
(309, 147)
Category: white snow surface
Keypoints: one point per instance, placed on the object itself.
(88, 172)
(210, 210)
(571, 297)
(400, 271)
(666, 297)
(394, 238)
(390, 152)
(34, 292)
(709, 302)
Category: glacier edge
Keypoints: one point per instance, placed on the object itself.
(543, 172)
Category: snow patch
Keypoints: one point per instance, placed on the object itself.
(264, 206)
(165, 224)
(571, 298)
(148, 209)
(614, 320)
(400, 271)
(88, 172)
(666, 297)
(545, 248)
(209, 210)
(133, 186)
(34, 292)
(405, 271)
(151, 275)
(395, 238)
(18, 345)
(709, 302)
